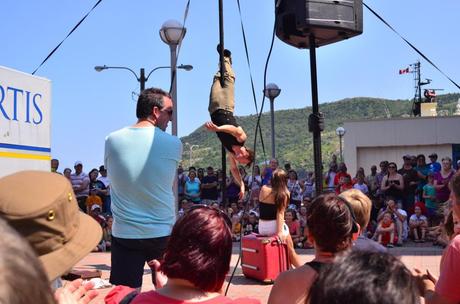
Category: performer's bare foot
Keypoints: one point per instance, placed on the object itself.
(227, 53)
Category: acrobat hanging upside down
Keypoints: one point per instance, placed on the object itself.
(221, 108)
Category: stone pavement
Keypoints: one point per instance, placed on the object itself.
(422, 256)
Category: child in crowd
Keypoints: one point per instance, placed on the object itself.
(185, 205)
(346, 183)
(385, 232)
(293, 224)
(308, 187)
(235, 215)
(252, 226)
(107, 233)
(302, 216)
(236, 227)
(418, 224)
(429, 195)
(452, 225)
(360, 185)
(438, 234)
(93, 199)
(399, 217)
(95, 213)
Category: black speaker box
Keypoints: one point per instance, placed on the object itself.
(329, 21)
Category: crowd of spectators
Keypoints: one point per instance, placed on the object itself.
(408, 202)
(338, 221)
(92, 192)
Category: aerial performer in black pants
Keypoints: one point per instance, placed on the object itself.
(231, 135)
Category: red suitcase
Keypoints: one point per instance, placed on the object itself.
(263, 257)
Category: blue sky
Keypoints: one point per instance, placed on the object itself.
(87, 105)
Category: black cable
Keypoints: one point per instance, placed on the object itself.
(70, 33)
(265, 76)
(410, 44)
(250, 75)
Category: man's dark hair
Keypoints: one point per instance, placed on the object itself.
(148, 99)
(421, 156)
(367, 278)
(287, 167)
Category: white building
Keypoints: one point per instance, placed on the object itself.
(367, 142)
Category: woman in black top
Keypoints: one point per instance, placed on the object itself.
(273, 201)
(393, 184)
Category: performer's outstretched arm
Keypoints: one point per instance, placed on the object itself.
(236, 132)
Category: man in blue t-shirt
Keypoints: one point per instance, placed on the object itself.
(268, 172)
(142, 161)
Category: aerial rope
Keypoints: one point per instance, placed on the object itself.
(252, 82)
(411, 45)
(257, 125)
(70, 33)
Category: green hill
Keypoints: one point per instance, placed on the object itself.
(293, 141)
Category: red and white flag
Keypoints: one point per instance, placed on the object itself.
(404, 71)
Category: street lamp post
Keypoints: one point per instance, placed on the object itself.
(142, 79)
(171, 33)
(191, 150)
(340, 131)
(272, 91)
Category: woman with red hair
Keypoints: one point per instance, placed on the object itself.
(196, 261)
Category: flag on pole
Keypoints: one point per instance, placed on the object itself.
(404, 71)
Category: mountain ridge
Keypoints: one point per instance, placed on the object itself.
(292, 139)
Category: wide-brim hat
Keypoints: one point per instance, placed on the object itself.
(43, 208)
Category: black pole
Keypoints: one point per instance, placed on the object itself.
(341, 152)
(142, 80)
(315, 108)
(221, 41)
(419, 87)
(224, 176)
(222, 84)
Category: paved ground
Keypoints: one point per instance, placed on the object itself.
(421, 256)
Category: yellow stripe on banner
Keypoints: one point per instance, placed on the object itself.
(25, 156)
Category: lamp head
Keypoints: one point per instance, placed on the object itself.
(172, 32)
(340, 131)
(272, 91)
(100, 68)
(186, 67)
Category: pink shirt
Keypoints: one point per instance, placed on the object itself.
(294, 227)
(121, 293)
(153, 297)
(448, 285)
